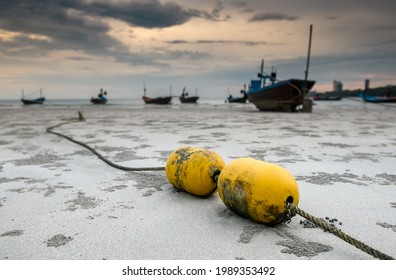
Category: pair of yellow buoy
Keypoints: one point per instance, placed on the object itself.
(255, 189)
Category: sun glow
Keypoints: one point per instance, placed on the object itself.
(9, 36)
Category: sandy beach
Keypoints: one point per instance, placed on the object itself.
(59, 201)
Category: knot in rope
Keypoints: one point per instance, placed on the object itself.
(289, 213)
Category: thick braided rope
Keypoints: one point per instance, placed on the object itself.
(126, 168)
(337, 232)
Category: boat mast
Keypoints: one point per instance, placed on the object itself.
(262, 83)
(308, 58)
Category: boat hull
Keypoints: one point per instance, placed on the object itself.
(159, 100)
(98, 101)
(190, 99)
(378, 99)
(37, 101)
(282, 96)
(236, 99)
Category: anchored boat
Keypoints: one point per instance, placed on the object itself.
(378, 99)
(240, 99)
(184, 98)
(101, 99)
(36, 101)
(387, 98)
(269, 94)
(278, 95)
(158, 100)
(163, 100)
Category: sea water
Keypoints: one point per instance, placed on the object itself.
(349, 104)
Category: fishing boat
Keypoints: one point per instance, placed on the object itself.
(240, 99)
(184, 98)
(269, 94)
(158, 100)
(326, 97)
(36, 101)
(163, 100)
(388, 98)
(277, 95)
(101, 99)
(378, 99)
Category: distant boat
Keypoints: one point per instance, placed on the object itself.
(326, 97)
(378, 99)
(284, 95)
(36, 101)
(184, 98)
(101, 99)
(158, 100)
(163, 100)
(240, 99)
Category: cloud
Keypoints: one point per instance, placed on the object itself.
(271, 16)
(227, 42)
(383, 27)
(239, 3)
(144, 13)
(82, 26)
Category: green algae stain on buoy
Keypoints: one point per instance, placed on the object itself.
(257, 190)
(194, 170)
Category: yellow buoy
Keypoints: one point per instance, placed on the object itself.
(258, 190)
(194, 170)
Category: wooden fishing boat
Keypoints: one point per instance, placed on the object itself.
(162, 100)
(101, 99)
(158, 100)
(184, 98)
(270, 94)
(98, 101)
(240, 99)
(36, 101)
(278, 95)
(232, 99)
(378, 99)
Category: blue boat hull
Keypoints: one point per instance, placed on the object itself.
(377, 99)
(37, 101)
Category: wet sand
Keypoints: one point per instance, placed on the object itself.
(59, 201)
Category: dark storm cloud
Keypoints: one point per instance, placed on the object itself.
(272, 16)
(144, 13)
(66, 29)
(80, 25)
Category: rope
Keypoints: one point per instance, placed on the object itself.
(125, 168)
(293, 210)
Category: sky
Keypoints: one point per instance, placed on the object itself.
(72, 48)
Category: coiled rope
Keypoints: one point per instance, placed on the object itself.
(292, 210)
